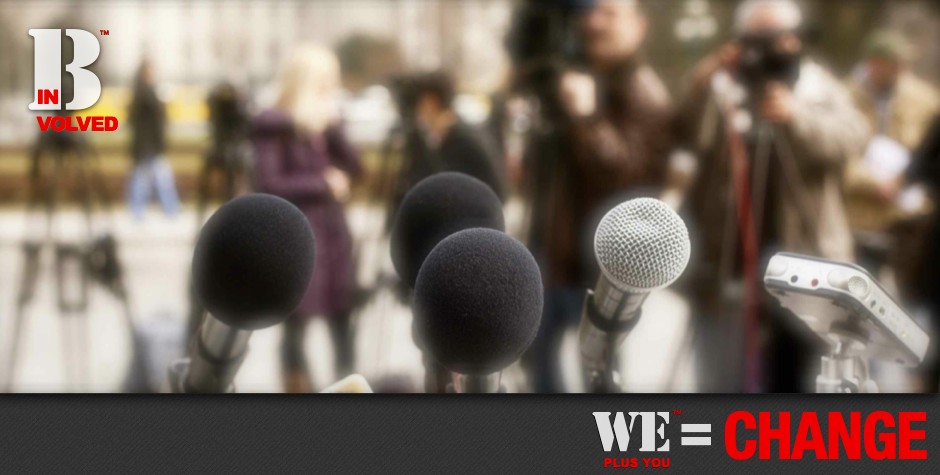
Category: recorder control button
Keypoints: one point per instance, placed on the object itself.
(858, 286)
(777, 266)
(839, 279)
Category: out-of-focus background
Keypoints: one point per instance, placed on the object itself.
(204, 73)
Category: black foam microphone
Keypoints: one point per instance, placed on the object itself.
(251, 267)
(478, 304)
(435, 208)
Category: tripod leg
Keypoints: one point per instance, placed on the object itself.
(68, 368)
(75, 359)
(86, 191)
(82, 357)
(202, 193)
(16, 334)
(27, 291)
(230, 180)
(116, 284)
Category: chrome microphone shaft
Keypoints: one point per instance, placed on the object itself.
(217, 354)
(479, 384)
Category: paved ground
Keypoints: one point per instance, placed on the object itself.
(156, 255)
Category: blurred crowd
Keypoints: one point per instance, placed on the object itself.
(763, 149)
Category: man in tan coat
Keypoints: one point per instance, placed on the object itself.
(896, 102)
(899, 107)
(773, 132)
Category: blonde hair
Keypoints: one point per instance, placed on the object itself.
(309, 81)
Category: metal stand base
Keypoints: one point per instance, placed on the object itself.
(844, 371)
(178, 373)
(844, 375)
(600, 340)
(476, 384)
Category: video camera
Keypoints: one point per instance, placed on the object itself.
(229, 119)
(762, 61)
(542, 43)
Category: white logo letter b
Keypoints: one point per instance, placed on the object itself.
(47, 69)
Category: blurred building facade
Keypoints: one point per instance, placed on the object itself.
(197, 43)
(194, 43)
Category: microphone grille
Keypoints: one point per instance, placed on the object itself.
(642, 244)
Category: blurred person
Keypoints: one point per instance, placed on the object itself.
(229, 155)
(230, 152)
(896, 102)
(403, 140)
(509, 121)
(147, 116)
(449, 143)
(925, 169)
(303, 156)
(431, 138)
(773, 131)
(899, 107)
(611, 138)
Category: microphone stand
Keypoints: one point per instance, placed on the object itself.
(218, 351)
(477, 384)
(604, 378)
(844, 369)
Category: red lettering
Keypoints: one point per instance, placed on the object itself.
(888, 439)
(43, 122)
(850, 437)
(809, 437)
(624, 462)
(766, 433)
(96, 123)
(906, 434)
(731, 435)
(875, 433)
(46, 96)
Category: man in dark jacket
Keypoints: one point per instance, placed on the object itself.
(611, 140)
(925, 169)
(450, 144)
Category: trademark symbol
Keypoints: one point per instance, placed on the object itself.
(104, 32)
(677, 412)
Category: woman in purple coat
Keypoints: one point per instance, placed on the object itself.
(303, 156)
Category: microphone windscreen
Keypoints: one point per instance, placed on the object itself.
(253, 261)
(478, 301)
(642, 245)
(435, 208)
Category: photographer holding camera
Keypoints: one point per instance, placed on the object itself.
(773, 132)
(610, 136)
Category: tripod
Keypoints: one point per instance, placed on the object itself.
(230, 155)
(233, 162)
(54, 159)
(843, 370)
(749, 194)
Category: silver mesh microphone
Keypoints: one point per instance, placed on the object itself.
(641, 245)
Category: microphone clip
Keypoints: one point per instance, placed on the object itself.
(601, 376)
(611, 326)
